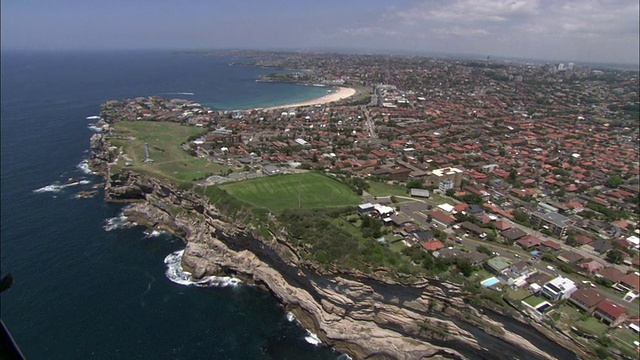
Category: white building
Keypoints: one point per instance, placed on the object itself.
(559, 288)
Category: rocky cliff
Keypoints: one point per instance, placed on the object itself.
(366, 316)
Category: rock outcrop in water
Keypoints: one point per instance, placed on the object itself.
(366, 316)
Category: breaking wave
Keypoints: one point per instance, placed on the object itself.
(153, 233)
(84, 167)
(118, 222)
(49, 188)
(94, 128)
(176, 274)
(58, 187)
(311, 338)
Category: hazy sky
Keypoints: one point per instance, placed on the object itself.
(580, 30)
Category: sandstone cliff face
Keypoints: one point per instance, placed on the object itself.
(365, 316)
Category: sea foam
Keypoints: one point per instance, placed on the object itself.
(84, 167)
(176, 273)
(58, 187)
(153, 233)
(94, 128)
(311, 338)
(118, 222)
(49, 188)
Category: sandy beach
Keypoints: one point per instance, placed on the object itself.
(338, 94)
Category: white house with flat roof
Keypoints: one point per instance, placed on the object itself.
(559, 288)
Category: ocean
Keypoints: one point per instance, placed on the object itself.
(86, 287)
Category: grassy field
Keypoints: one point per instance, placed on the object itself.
(280, 192)
(377, 188)
(170, 161)
(592, 326)
(534, 300)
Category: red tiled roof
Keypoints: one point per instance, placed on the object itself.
(583, 239)
(612, 274)
(529, 241)
(432, 245)
(611, 309)
(632, 280)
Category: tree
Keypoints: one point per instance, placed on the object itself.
(415, 184)
(450, 192)
(464, 266)
(614, 181)
(472, 199)
(485, 250)
(615, 256)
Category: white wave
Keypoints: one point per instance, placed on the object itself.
(76, 182)
(84, 167)
(93, 117)
(291, 317)
(118, 222)
(312, 339)
(49, 188)
(344, 357)
(153, 233)
(58, 187)
(176, 273)
(94, 128)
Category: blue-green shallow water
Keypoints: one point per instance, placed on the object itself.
(81, 292)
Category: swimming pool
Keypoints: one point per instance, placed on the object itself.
(490, 282)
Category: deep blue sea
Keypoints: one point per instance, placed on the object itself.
(81, 292)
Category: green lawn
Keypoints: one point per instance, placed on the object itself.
(377, 188)
(592, 326)
(439, 199)
(534, 301)
(519, 294)
(397, 245)
(170, 161)
(625, 338)
(309, 190)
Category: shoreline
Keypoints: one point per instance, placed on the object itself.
(340, 93)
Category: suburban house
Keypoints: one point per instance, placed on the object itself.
(529, 242)
(512, 234)
(433, 245)
(628, 282)
(476, 257)
(549, 246)
(497, 264)
(591, 266)
(516, 274)
(569, 257)
(610, 273)
(559, 288)
(446, 254)
(601, 246)
(422, 236)
(442, 218)
(473, 228)
(610, 313)
(586, 299)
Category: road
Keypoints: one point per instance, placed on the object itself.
(368, 123)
